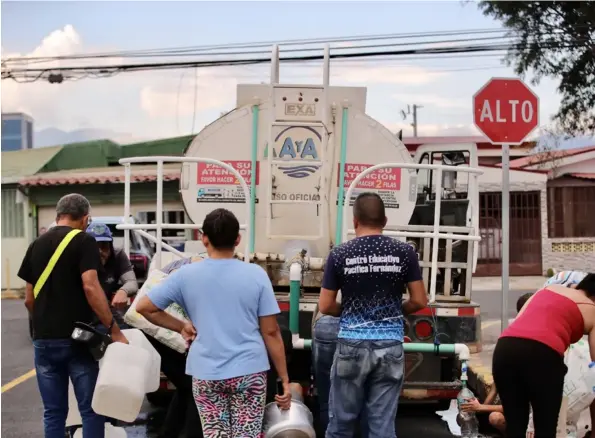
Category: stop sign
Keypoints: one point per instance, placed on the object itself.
(506, 110)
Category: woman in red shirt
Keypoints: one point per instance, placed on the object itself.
(528, 362)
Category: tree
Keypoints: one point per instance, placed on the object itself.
(554, 39)
(548, 155)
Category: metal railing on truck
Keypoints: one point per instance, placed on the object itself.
(460, 350)
(159, 226)
(470, 233)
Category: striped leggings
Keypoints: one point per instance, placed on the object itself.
(231, 408)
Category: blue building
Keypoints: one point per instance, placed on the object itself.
(17, 132)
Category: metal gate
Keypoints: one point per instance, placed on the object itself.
(525, 234)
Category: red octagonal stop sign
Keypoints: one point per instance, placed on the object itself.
(506, 110)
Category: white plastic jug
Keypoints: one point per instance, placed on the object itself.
(138, 339)
(579, 382)
(74, 417)
(110, 432)
(121, 385)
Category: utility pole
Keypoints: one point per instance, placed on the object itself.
(405, 114)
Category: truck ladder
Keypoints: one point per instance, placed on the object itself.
(283, 116)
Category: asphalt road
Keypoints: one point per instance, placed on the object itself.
(21, 405)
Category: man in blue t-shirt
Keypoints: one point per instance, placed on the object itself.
(371, 271)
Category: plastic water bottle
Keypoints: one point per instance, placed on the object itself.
(468, 420)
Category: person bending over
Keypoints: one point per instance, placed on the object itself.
(490, 410)
(531, 351)
(116, 274)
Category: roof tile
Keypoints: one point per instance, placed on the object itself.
(106, 175)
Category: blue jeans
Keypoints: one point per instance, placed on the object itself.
(367, 376)
(325, 333)
(57, 361)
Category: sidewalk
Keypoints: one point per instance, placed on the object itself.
(530, 283)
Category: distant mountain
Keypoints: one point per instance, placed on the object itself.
(54, 136)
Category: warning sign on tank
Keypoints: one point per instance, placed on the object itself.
(211, 174)
(381, 179)
(224, 194)
(221, 186)
(389, 197)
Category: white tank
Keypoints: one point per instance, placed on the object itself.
(304, 136)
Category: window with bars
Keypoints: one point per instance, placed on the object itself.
(570, 211)
(13, 215)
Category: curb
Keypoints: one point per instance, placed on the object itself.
(13, 295)
(480, 378)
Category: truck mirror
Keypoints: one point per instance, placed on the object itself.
(449, 180)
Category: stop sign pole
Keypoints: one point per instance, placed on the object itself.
(506, 111)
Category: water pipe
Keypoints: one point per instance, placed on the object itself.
(459, 350)
(254, 157)
(295, 281)
(341, 195)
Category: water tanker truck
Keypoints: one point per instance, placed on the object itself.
(288, 161)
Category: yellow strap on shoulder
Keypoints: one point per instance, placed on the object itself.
(53, 260)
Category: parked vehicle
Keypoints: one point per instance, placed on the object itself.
(299, 148)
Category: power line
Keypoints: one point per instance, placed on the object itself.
(114, 69)
(205, 49)
(262, 44)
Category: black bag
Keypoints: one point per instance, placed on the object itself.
(92, 338)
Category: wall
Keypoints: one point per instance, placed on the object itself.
(108, 193)
(563, 254)
(571, 253)
(491, 181)
(587, 166)
(14, 246)
(47, 214)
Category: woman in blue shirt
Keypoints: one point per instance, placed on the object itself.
(234, 323)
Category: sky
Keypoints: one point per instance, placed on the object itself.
(149, 105)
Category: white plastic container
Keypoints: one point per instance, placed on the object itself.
(110, 432)
(138, 339)
(122, 381)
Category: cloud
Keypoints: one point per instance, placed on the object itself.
(36, 97)
(214, 89)
(159, 104)
(434, 129)
(434, 100)
(70, 105)
(396, 74)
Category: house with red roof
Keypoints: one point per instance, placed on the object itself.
(569, 240)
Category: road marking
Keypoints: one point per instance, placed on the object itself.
(492, 323)
(18, 381)
(488, 324)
